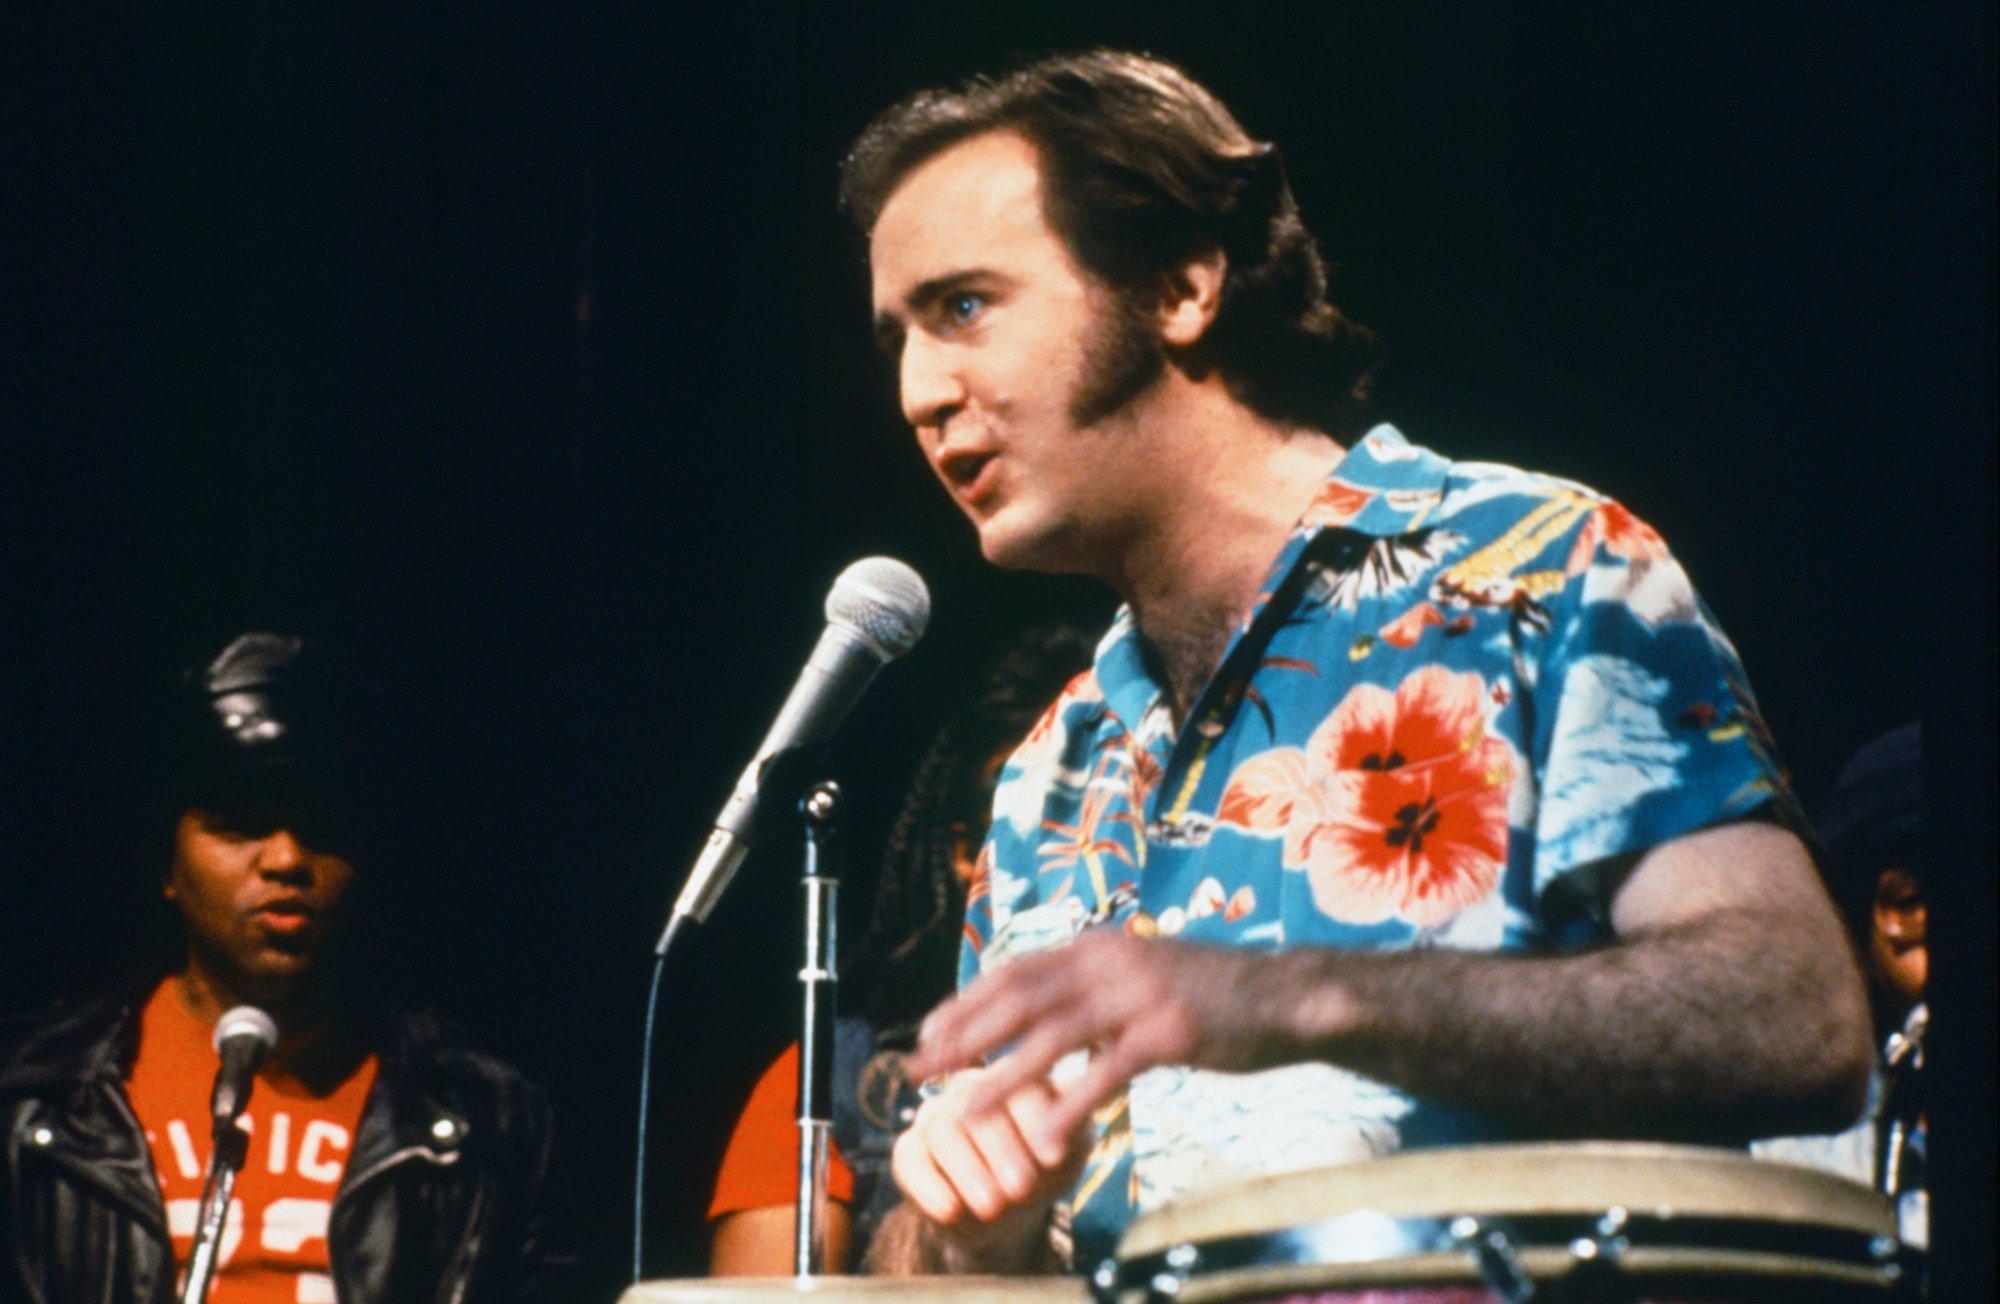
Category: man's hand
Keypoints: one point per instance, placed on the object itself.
(1133, 1004)
(987, 1180)
(1728, 1007)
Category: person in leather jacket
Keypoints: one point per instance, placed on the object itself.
(385, 1159)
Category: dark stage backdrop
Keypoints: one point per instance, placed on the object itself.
(524, 346)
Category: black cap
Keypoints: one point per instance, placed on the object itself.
(1874, 817)
(276, 730)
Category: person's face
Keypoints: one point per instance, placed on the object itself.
(258, 904)
(1897, 953)
(1013, 365)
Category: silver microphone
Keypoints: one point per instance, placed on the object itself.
(875, 612)
(243, 1037)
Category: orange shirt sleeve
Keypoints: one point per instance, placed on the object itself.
(760, 1168)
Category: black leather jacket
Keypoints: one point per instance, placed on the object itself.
(442, 1199)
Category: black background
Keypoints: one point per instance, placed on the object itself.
(523, 345)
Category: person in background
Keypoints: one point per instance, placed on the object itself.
(1872, 826)
(905, 964)
(386, 1161)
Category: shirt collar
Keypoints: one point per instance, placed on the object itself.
(1383, 486)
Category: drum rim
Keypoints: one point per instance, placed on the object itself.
(833, 1288)
(1584, 1178)
(1460, 1248)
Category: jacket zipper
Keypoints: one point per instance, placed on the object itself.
(468, 1253)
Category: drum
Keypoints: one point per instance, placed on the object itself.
(860, 1290)
(1591, 1221)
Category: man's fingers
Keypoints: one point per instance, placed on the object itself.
(1079, 983)
(922, 1182)
(1009, 1158)
(1133, 1004)
(1069, 1112)
(1028, 1064)
(963, 1163)
(983, 1018)
(952, 1163)
(1054, 1146)
(1051, 1117)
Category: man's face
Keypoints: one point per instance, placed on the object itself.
(259, 904)
(1897, 951)
(1015, 368)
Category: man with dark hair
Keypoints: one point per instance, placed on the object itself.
(1872, 825)
(1409, 802)
(1143, 171)
(385, 1160)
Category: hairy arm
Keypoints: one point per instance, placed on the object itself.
(1728, 1007)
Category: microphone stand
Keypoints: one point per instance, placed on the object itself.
(1902, 1099)
(225, 1160)
(821, 808)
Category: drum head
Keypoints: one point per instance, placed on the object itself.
(859, 1290)
(1680, 1218)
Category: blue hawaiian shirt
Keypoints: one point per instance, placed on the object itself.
(1461, 690)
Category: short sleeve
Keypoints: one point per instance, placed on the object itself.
(1646, 728)
(760, 1167)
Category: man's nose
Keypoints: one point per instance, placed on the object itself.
(1906, 924)
(931, 387)
(280, 851)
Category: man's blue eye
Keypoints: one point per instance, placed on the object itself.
(964, 307)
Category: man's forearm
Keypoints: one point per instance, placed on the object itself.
(1668, 1035)
(1730, 1006)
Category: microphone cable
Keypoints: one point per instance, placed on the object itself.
(646, 1097)
(875, 612)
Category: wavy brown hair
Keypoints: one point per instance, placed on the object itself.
(1144, 170)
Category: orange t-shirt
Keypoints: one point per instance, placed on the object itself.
(761, 1167)
(274, 1240)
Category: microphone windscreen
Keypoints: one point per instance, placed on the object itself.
(247, 1021)
(884, 601)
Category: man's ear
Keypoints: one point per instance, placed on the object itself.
(1190, 296)
(170, 889)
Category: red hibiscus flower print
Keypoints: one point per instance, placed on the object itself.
(1040, 746)
(1336, 504)
(1623, 535)
(1395, 807)
(1044, 741)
